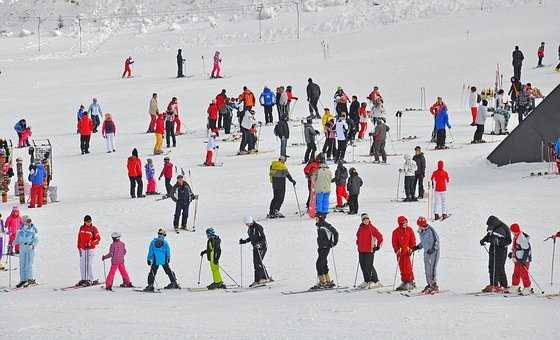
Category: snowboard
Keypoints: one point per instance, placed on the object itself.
(20, 183)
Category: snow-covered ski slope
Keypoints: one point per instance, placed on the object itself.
(439, 45)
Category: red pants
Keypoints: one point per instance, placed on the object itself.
(152, 125)
(521, 272)
(363, 128)
(151, 185)
(216, 70)
(209, 156)
(177, 125)
(405, 266)
(474, 111)
(36, 196)
(111, 275)
(128, 71)
(340, 194)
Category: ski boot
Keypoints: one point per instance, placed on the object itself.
(436, 217)
(31, 282)
(413, 199)
(338, 209)
(375, 285)
(22, 284)
(220, 285)
(172, 285)
(126, 285)
(401, 287)
(278, 214)
(488, 289)
(527, 291)
(512, 290)
(109, 289)
(498, 289)
(329, 283)
(435, 289)
(364, 285)
(427, 290)
(444, 216)
(148, 288)
(320, 284)
(212, 286)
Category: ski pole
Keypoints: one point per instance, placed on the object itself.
(222, 269)
(104, 271)
(334, 266)
(396, 271)
(399, 185)
(297, 201)
(356, 276)
(199, 270)
(10, 271)
(241, 266)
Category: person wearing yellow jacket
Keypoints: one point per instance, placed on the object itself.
(278, 174)
(327, 116)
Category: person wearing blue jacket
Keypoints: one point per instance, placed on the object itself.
(267, 100)
(95, 113)
(37, 177)
(442, 122)
(20, 126)
(159, 254)
(26, 238)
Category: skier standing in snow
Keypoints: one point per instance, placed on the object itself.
(404, 242)
(474, 99)
(521, 256)
(216, 69)
(327, 238)
(517, 62)
(309, 171)
(313, 93)
(481, 116)
(540, 55)
(310, 134)
(340, 178)
(499, 237)
(354, 114)
(221, 104)
(116, 253)
(282, 103)
(429, 241)
(354, 184)
(247, 122)
(369, 240)
(322, 188)
(247, 98)
(213, 117)
(158, 132)
(182, 201)
(13, 223)
(134, 167)
(363, 119)
(341, 100)
(174, 107)
(128, 67)
(329, 148)
(409, 170)
(258, 241)
(180, 62)
(150, 177)
(213, 252)
(27, 240)
(153, 110)
(341, 131)
(88, 239)
(420, 173)
(440, 179)
(278, 174)
(377, 109)
(267, 101)
(108, 131)
(282, 131)
(211, 148)
(379, 138)
(21, 128)
(95, 113)
(85, 127)
(159, 254)
(37, 175)
(442, 122)
(170, 116)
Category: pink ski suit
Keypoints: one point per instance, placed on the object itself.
(13, 223)
(216, 70)
(117, 251)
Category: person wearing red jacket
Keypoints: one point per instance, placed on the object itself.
(404, 243)
(158, 132)
(369, 240)
(167, 173)
(85, 127)
(540, 54)
(221, 104)
(88, 239)
(128, 67)
(440, 178)
(309, 171)
(213, 117)
(434, 110)
(134, 167)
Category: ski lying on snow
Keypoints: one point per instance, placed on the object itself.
(310, 290)
(211, 166)
(248, 289)
(64, 289)
(358, 289)
(205, 289)
(423, 294)
(144, 291)
(13, 289)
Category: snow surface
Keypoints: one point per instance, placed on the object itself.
(440, 45)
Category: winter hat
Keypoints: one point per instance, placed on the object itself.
(166, 158)
(25, 218)
(116, 235)
(321, 217)
(422, 222)
(15, 208)
(134, 152)
(339, 87)
(149, 160)
(210, 232)
(364, 216)
(248, 220)
(440, 165)
(417, 148)
(515, 228)
(87, 218)
(180, 176)
(402, 220)
(282, 159)
(161, 232)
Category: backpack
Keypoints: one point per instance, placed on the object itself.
(332, 235)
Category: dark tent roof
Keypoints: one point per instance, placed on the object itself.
(528, 142)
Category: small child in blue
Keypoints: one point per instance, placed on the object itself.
(27, 239)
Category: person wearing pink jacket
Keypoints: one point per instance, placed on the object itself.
(117, 251)
(216, 69)
(13, 223)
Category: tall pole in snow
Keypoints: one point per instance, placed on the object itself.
(80, 33)
(298, 20)
(39, 32)
(260, 8)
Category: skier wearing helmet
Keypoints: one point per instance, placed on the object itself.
(429, 241)
(404, 244)
(116, 253)
(258, 241)
(159, 254)
(213, 252)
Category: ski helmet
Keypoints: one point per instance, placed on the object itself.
(210, 232)
(25, 219)
(116, 235)
(161, 232)
(248, 220)
(422, 222)
(364, 216)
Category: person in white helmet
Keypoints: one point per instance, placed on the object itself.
(117, 251)
(258, 241)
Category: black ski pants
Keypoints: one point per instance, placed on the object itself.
(259, 252)
(419, 181)
(517, 72)
(322, 262)
(441, 136)
(329, 148)
(170, 133)
(227, 123)
(479, 132)
(353, 203)
(409, 186)
(153, 271)
(341, 150)
(136, 186)
(181, 210)
(168, 186)
(310, 152)
(497, 266)
(84, 143)
(279, 192)
(268, 114)
(313, 109)
(368, 270)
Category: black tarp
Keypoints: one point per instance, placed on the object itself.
(529, 141)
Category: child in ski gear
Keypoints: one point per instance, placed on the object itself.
(473, 103)
(429, 241)
(13, 223)
(182, 201)
(309, 171)
(329, 148)
(150, 176)
(116, 253)
(521, 256)
(213, 252)
(363, 119)
(291, 98)
(211, 148)
(258, 241)
(327, 238)
(85, 127)
(278, 174)
(341, 132)
(153, 110)
(216, 69)
(379, 137)
(159, 254)
(340, 177)
(27, 240)
(409, 169)
(134, 167)
(128, 67)
(37, 175)
(20, 128)
(341, 100)
(499, 237)
(174, 107)
(88, 239)
(404, 242)
(282, 131)
(420, 173)
(354, 184)
(108, 131)
(159, 130)
(369, 240)
(540, 55)
(95, 113)
(310, 134)
(481, 116)
(167, 173)
(322, 181)
(170, 116)
(440, 179)
(442, 122)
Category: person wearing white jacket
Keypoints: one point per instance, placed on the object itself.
(409, 169)
(211, 148)
(473, 103)
(341, 129)
(481, 116)
(247, 123)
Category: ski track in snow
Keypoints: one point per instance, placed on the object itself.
(426, 44)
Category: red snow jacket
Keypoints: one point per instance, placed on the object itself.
(540, 52)
(403, 240)
(167, 170)
(134, 166)
(88, 237)
(160, 124)
(85, 126)
(212, 111)
(368, 237)
(440, 177)
(311, 167)
(220, 101)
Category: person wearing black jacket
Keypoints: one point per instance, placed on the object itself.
(420, 171)
(258, 241)
(327, 238)
(499, 237)
(213, 252)
(180, 62)
(282, 131)
(354, 108)
(182, 201)
(517, 62)
(309, 133)
(313, 94)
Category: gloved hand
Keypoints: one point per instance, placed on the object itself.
(80, 252)
(482, 242)
(294, 183)
(510, 255)
(430, 251)
(149, 263)
(216, 262)
(241, 241)
(202, 253)
(376, 248)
